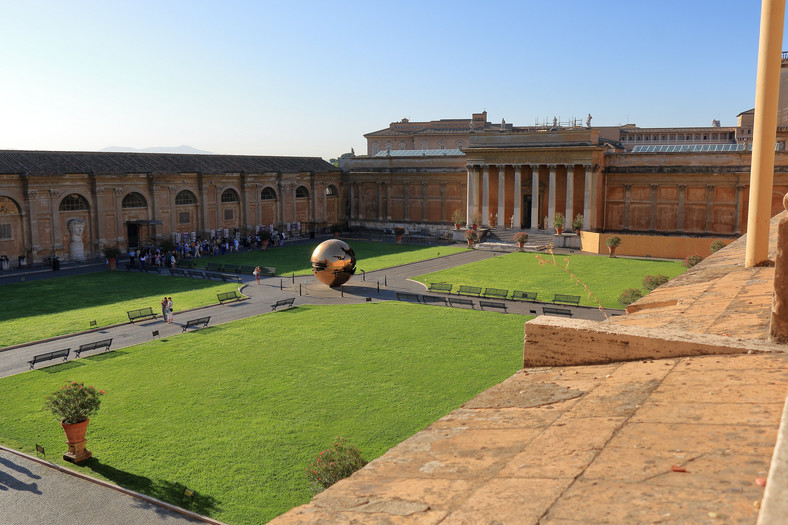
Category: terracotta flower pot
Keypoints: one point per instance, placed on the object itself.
(75, 438)
(612, 250)
(399, 239)
(521, 244)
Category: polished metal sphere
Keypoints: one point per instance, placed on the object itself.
(333, 262)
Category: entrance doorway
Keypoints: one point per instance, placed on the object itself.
(133, 234)
(526, 222)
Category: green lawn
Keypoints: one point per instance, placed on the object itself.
(605, 277)
(370, 255)
(236, 411)
(40, 309)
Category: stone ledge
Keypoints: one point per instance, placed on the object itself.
(554, 341)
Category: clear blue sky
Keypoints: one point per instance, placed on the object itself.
(311, 77)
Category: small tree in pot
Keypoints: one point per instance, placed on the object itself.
(458, 217)
(612, 244)
(558, 222)
(521, 238)
(73, 404)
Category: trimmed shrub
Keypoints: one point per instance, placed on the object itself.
(652, 281)
(692, 260)
(337, 462)
(629, 296)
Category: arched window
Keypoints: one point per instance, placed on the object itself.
(185, 197)
(331, 191)
(229, 195)
(267, 195)
(73, 202)
(302, 193)
(134, 200)
(8, 206)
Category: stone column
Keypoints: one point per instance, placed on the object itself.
(98, 217)
(443, 202)
(388, 201)
(122, 230)
(737, 219)
(570, 196)
(31, 205)
(485, 195)
(588, 195)
(380, 201)
(551, 198)
(352, 200)
(360, 210)
(680, 211)
(406, 207)
(518, 199)
(535, 196)
(767, 92)
(710, 207)
(778, 323)
(652, 212)
(501, 195)
(424, 202)
(627, 204)
(469, 197)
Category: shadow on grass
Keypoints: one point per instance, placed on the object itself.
(56, 369)
(159, 489)
(106, 355)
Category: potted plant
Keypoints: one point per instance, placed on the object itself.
(577, 222)
(558, 222)
(458, 217)
(612, 244)
(112, 253)
(476, 219)
(521, 238)
(73, 404)
(399, 231)
(265, 237)
(336, 228)
(471, 236)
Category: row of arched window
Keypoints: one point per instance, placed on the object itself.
(76, 202)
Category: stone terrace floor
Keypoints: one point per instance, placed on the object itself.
(683, 440)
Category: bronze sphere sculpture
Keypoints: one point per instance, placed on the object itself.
(333, 262)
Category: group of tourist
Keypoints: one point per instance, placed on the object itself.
(166, 310)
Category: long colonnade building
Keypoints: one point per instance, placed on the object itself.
(72, 204)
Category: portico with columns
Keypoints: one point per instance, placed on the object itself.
(525, 180)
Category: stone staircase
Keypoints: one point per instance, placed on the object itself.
(505, 237)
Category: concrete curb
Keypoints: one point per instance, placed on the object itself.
(112, 486)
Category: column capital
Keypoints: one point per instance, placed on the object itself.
(654, 187)
(682, 187)
(627, 187)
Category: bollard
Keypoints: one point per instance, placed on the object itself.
(293, 278)
(299, 288)
(281, 283)
(342, 291)
(363, 276)
(385, 280)
(378, 286)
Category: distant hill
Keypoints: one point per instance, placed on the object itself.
(159, 149)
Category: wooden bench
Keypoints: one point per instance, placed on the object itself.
(213, 267)
(140, 313)
(495, 292)
(571, 299)
(440, 287)
(492, 304)
(288, 303)
(433, 299)
(178, 273)
(228, 296)
(229, 277)
(547, 310)
(196, 273)
(40, 358)
(151, 269)
(212, 275)
(232, 268)
(267, 270)
(185, 263)
(461, 302)
(104, 343)
(518, 295)
(411, 297)
(247, 270)
(196, 322)
(470, 290)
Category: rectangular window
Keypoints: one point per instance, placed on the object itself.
(184, 217)
(228, 214)
(5, 231)
(673, 137)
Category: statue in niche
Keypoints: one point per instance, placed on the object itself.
(588, 121)
(75, 228)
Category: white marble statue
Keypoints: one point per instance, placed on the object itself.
(75, 249)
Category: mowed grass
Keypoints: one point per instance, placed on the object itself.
(37, 310)
(296, 258)
(606, 277)
(236, 411)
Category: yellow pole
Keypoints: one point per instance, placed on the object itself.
(767, 91)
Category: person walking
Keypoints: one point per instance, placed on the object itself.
(164, 310)
(169, 310)
(256, 274)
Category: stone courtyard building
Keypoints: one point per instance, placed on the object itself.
(53, 203)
